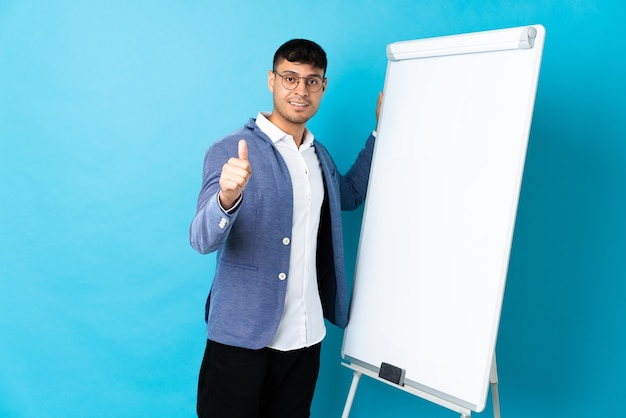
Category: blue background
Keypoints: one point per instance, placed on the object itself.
(106, 109)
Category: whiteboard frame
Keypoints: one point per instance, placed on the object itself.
(529, 38)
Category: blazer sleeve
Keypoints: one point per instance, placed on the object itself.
(353, 185)
(211, 224)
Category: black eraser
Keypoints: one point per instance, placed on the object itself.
(392, 373)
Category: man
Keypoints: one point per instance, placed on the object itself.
(270, 206)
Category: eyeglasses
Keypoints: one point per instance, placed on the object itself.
(291, 81)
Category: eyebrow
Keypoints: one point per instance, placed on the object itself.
(303, 76)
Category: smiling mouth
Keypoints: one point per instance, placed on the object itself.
(298, 104)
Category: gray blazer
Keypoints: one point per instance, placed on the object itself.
(247, 295)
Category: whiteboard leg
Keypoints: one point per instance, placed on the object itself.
(494, 388)
(496, 400)
(353, 386)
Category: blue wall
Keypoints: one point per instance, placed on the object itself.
(106, 109)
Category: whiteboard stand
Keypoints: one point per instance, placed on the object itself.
(428, 291)
(359, 371)
(355, 382)
(495, 397)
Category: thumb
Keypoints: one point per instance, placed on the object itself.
(243, 149)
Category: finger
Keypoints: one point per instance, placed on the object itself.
(378, 105)
(243, 149)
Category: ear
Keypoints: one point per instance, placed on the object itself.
(271, 77)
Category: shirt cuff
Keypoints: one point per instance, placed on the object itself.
(235, 206)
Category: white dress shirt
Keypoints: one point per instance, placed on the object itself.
(302, 322)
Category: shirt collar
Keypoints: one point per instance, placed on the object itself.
(276, 134)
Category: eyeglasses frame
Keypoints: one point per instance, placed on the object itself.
(306, 85)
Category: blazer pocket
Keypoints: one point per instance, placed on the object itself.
(233, 264)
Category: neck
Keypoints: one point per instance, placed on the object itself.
(293, 129)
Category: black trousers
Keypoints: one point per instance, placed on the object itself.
(240, 383)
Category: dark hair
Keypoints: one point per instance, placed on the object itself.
(303, 51)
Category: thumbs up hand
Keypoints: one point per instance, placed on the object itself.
(235, 176)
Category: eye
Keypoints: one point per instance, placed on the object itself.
(290, 78)
(312, 81)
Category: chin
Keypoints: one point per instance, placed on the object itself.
(298, 119)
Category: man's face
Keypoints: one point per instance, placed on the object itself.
(297, 106)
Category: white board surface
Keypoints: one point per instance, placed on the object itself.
(441, 207)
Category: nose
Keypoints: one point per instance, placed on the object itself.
(301, 87)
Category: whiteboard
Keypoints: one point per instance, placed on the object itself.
(440, 209)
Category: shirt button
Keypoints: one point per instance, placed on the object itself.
(282, 276)
(286, 241)
(223, 222)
